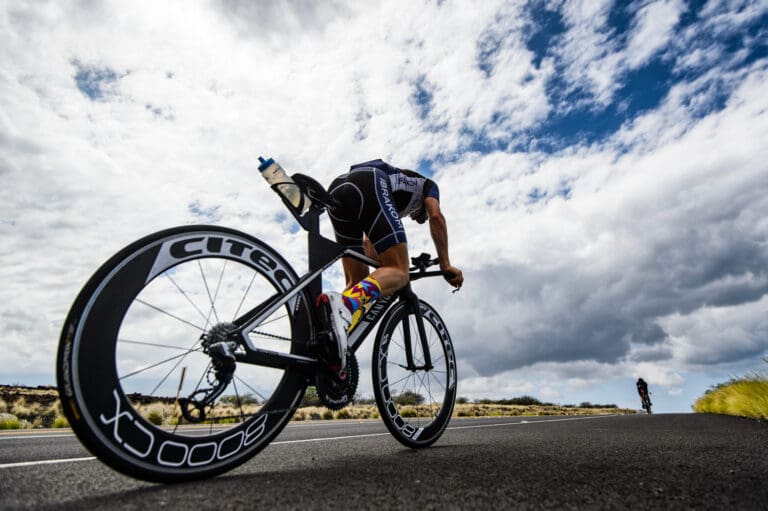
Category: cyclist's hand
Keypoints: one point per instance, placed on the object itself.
(453, 275)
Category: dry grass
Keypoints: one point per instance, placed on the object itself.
(744, 398)
(42, 408)
(32, 407)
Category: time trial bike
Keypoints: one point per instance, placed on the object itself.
(217, 324)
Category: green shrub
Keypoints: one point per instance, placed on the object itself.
(310, 398)
(343, 414)
(409, 398)
(10, 423)
(60, 422)
(240, 400)
(155, 417)
(328, 415)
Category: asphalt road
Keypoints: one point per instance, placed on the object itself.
(618, 462)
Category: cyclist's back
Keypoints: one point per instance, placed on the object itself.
(409, 188)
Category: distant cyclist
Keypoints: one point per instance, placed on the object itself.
(374, 196)
(642, 389)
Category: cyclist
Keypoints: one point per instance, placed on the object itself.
(374, 196)
(642, 389)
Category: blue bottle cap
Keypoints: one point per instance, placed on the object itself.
(265, 163)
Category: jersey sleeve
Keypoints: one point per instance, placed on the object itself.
(431, 190)
(430, 187)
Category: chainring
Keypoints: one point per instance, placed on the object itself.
(333, 392)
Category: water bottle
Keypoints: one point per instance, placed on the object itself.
(276, 176)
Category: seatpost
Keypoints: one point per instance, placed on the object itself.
(312, 226)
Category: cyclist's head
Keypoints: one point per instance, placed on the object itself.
(640, 380)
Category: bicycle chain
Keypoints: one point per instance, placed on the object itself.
(266, 334)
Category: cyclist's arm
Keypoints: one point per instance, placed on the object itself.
(439, 231)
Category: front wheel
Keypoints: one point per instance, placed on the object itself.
(141, 374)
(415, 401)
(647, 406)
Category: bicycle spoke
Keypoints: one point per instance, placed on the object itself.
(402, 390)
(394, 383)
(425, 387)
(210, 299)
(156, 345)
(153, 366)
(158, 309)
(436, 380)
(218, 284)
(185, 295)
(237, 396)
(173, 368)
(245, 295)
(259, 394)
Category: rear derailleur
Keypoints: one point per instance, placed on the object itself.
(218, 345)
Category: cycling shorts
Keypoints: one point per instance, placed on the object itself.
(367, 207)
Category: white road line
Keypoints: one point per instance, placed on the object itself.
(474, 426)
(368, 435)
(307, 440)
(33, 436)
(44, 462)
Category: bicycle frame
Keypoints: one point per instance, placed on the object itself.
(323, 253)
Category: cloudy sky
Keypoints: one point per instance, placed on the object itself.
(603, 166)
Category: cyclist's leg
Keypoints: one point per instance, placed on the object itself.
(393, 273)
(364, 289)
(354, 271)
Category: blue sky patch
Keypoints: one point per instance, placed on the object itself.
(543, 33)
(422, 98)
(488, 46)
(577, 116)
(94, 82)
(210, 214)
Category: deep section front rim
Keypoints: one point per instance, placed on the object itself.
(415, 402)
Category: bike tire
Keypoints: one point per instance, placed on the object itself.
(113, 331)
(397, 389)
